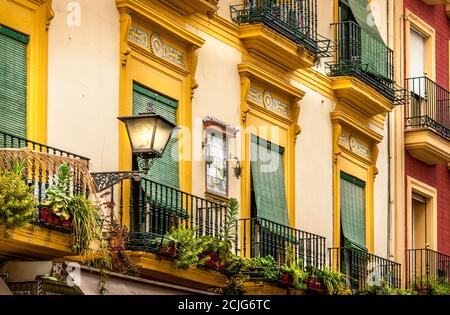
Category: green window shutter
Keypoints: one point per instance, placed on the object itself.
(373, 49)
(13, 82)
(268, 181)
(164, 170)
(353, 216)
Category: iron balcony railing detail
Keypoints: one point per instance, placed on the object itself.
(361, 55)
(40, 178)
(155, 209)
(363, 270)
(294, 19)
(424, 267)
(261, 238)
(428, 106)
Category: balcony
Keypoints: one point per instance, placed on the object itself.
(361, 56)
(262, 238)
(426, 269)
(364, 270)
(46, 239)
(189, 7)
(263, 21)
(154, 210)
(427, 121)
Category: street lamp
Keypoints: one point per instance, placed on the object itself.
(149, 134)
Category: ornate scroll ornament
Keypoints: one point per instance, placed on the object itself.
(274, 104)
(165, 51)
(255, 95)
(104, 180)
(193, 58)
(375, 152)
(337, 131)
(125, 24)
(138, 36)
(245, 87)
(49, 14)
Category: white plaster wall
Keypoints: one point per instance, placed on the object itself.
(83, 82)
(313, 166)
(218, 95)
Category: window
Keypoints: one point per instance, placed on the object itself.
(164, 170)
(216, 155)
(13, 82)
(353, 212)
(268, 181)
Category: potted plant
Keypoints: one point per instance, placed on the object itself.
(313, 281)
(55, 209)
(166, 246)
(293, 275)
(17, 202)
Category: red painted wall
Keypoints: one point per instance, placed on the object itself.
(437, 18)
(437, 176)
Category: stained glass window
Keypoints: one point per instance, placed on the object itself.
(216, 153)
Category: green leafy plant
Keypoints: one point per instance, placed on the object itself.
(86, 221)
(333, 280)
(189, 247)
(297, 273)
(229, 230)
(58, 194)
(17, 201)
(264, 266)
(237, 273)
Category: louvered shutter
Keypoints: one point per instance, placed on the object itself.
(353, 216)
(13, 82)
(374, 52)
(164, 170)
(268, 181)
(417, 62)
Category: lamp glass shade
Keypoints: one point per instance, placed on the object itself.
(149, 133)
(162, 136)
(141, 132)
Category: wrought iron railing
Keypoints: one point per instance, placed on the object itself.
(363, 270)
(428, 106)
(155, 209)
(39, 177)
(258, 237)
(294, 19)
(361, 55)
(424, 267)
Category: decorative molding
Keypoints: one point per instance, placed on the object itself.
(139, 36)
(227, 128)
(165, 51)
(125, 25)
(245, 87)
(49, 13)
(337, 132)
(193, 60)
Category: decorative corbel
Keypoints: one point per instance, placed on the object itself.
(337, 131)
(245, 87)
(375, 151)
(125, 24)
(193, 62)
(49, 14)
(295, 114)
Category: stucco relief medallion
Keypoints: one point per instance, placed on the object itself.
(267, 100)
(157, 45)
(353, 143)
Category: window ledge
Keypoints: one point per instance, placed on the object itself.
(188, 7)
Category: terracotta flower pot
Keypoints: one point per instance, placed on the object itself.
(315, 286)
(168, 250)
(49, 217)
(287, 278)
(212, 261)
